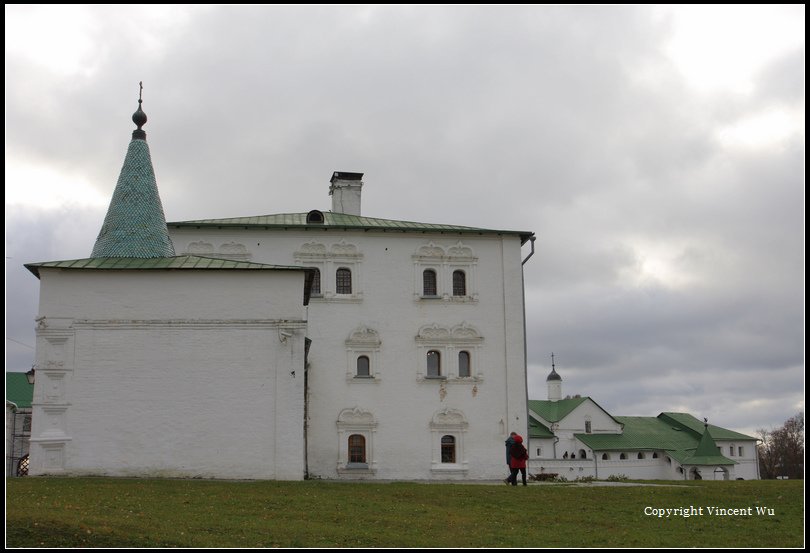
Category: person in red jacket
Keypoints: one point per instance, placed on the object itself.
(517, 462)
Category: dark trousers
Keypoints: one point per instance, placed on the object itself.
(513, 476)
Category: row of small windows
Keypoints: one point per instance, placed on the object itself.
(433, 361)
(343, 282)
(430, 283)
(605, 456)
(623, 456)
(731, 451)
(357, 449)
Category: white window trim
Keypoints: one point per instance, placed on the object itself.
(448, 422)
(363, 341)
(449, 341)
(356, 421)
(341, 255)
(445, 260)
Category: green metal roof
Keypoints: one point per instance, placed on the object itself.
(18, 390)
(539, 430)
(641, 433)
(555, 411)
(690, 422)
(181, 262)
(135, 225)
(340, 221)
(659, 433)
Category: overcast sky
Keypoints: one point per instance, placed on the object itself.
(657, 153)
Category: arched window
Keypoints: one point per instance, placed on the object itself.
(582, 454)
(357, 448)
(641, 455)
(316, 283)
(448, 449)
(464, 364)
(606, 456)
(429, 287)
(434, 363)
(587, 427)
(655, 455)
(622, 456)
(363, 366)
(459, 283)
(343, 281)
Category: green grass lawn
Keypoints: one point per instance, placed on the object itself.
(105, 512)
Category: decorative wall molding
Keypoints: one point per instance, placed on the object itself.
(461, 333)
(449, 419)
(356, 418)
(228, 250)
(200, 248)
(311, 249)
(363, 336)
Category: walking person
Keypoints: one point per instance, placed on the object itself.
(510, 441)
(517, 460)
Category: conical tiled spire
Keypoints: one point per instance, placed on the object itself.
(135, 225)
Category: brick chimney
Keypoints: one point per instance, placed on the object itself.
(345, 191)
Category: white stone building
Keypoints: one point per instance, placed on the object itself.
(317, 344)
(417, 367)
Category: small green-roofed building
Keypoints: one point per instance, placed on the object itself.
(576, 437)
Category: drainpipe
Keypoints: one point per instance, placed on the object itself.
(531, 253)
(595, 466)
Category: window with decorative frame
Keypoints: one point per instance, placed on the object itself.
(449, 353)
(452, 267)
(448, 428)
(338, 277)
(362, 354)
(356, 428)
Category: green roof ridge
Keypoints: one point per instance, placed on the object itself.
(341, 220)
(693, 424)
(156, 263)
(135, 225)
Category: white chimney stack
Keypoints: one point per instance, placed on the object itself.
(345, 191)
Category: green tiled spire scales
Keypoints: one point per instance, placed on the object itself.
(135, 225)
